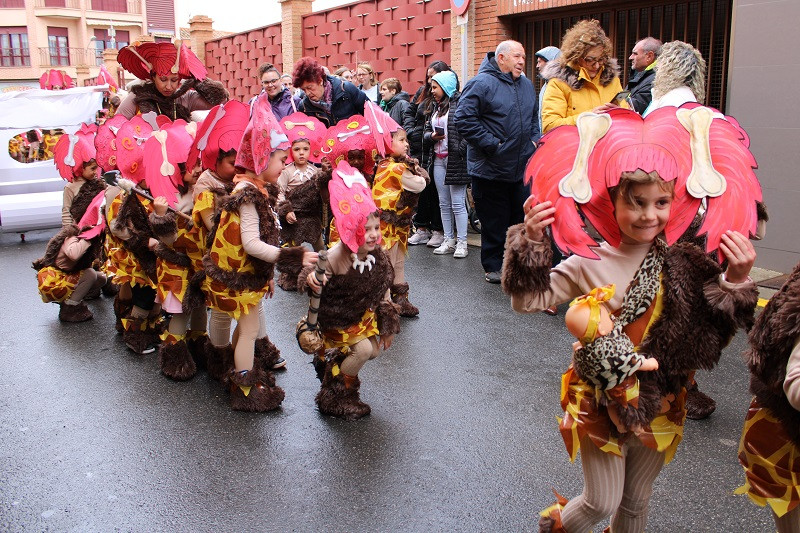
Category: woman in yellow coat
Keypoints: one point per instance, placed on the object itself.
(583, 78)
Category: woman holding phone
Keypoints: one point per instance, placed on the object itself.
(583, 78)
(449, 165)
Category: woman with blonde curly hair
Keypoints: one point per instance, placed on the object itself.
(680, 77)
(583, 78)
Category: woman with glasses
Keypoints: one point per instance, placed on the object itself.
(280, 97)
(583, 78)
(328, 98)
(367, 81)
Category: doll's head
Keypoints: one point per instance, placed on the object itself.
(399, 146)
(588, 317)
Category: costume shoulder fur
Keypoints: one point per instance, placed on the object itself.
(698, 318)
(771, 342)
(86, 194)
(149, 99)
(57, 241)
(345, 298)
(306, 203)
(133, 216)
(268, 231)
(565, 73)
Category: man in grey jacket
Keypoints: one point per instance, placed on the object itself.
(498, 117)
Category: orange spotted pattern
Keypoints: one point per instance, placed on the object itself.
(122, 264)
(228, 254)
(386, 190)
(173, 278)
(56, 285)
(365, 328)
(771, 462)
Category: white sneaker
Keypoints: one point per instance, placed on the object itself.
(461, 250)
(422, 236)
(436, 239)
(447, 247)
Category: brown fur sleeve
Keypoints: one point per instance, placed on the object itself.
(212, 91)
(163, 226)
(737, 304)
(526, 263)
(284, 208)
(291, 259)
(388, 319)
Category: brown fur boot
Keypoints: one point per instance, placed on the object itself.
(339, 396)
(268, 355)
(137, 337)
(74, 313)
(110, 289)
(698, 404)
(550, 518)
(287, 281)
(401, 303)
(197, 342)
(219, 361)
(251, 392)
(175, 360)
(122, 308)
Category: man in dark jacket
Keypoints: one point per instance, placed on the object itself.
(643, 62)
(498, 117)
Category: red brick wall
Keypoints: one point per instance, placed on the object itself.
(234, 60)
(399, 38)
(491, 30)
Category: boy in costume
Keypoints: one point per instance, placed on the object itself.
(356, 316)
(640, 183)
(242, 255)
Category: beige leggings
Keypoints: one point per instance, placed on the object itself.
(252, 325)
(219, 328)
(360, 353)
(788, 523)
(613, 484)
(397, 258)
(90, 279)
(196, 321)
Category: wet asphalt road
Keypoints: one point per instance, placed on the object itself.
(462, 435)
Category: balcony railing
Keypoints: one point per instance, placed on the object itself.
(133, 7)
(13, 4)
(68, 57)
(71, 4)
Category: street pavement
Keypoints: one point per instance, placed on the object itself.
(462, 435)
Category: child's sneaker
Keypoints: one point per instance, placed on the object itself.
(422, 236)
(447, 247)
(437, 238)
(461, 250)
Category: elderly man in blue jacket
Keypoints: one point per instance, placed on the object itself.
(498, 116)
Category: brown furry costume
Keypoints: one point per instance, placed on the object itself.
(86, 194)
(306, 201)
(147, 97)
(345, 298)
(771, 341)
(57, 241)
(268, 232)
(134, 217)
(698, 318)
